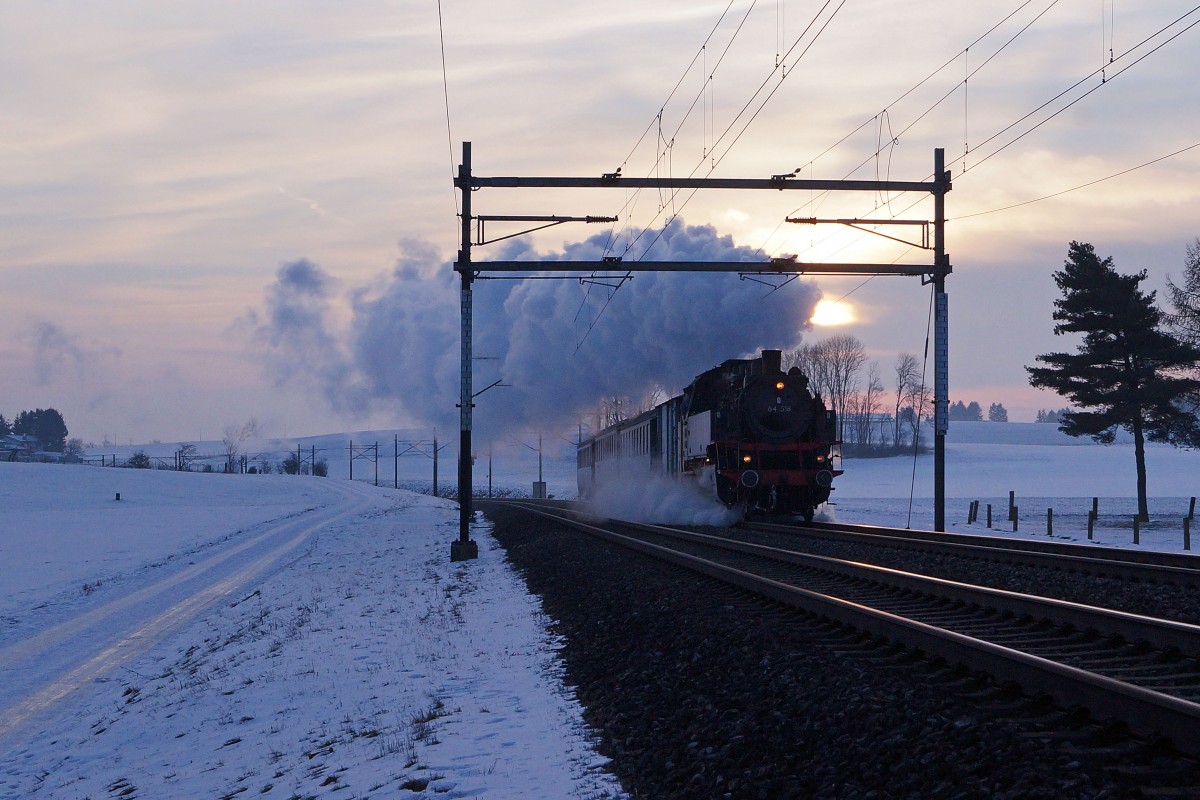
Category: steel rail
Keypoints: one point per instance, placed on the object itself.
(1110, 561)
(1144, 710)
(1157, 632)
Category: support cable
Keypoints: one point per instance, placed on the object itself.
(1061, 94)
(446, 99)
(912, 488)
(1082, 80)
(678, 209)
(733, 123)
(1082, 185)
(706, 85)
(886, 111)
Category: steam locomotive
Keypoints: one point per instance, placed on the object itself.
(754, 436)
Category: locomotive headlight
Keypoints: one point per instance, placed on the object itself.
(746, 459)
(779, 386)
(820, 459)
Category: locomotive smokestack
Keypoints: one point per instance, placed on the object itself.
(772, 361)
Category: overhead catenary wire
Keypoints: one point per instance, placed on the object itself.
(784, 74)
(1089, 92)
(981, 148)
(1080, 186)
(625, 212)
(1116, 59)
(887, 110)
(446, 100)
(783, 70)
(706, 86)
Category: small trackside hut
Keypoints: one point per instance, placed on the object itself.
(753, 435)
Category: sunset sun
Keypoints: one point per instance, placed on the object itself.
(832, 312)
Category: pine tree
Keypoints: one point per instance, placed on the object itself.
(1127, 372)
(1185, 322)
(44, 424)
(997, 413)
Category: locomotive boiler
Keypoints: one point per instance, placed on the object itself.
(753, 435)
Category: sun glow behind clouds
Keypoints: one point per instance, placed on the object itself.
(832, 312)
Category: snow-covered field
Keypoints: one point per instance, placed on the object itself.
(211, 635)
(1064, 478)
(339, 654)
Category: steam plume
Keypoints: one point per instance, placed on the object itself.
(562, 346)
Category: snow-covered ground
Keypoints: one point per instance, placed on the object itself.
(202, 637)
(209, 634)
(1045, 469)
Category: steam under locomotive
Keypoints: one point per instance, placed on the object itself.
(756, 436)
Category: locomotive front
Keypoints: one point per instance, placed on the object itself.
(772, 442)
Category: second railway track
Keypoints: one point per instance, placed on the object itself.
(1144, 565)
(1140, 670)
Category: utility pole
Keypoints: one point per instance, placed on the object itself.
(464, 547)
(941, 339)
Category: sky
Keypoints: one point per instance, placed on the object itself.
(220, 212)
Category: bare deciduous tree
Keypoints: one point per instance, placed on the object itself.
(844, 356)
(908, 374)
(864, 406)
(233, 436)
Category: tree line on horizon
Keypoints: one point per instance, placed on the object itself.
(1136, 366)
(973, 412)
(46, 425)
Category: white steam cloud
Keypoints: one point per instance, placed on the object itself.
(641, 495)
(560, 345)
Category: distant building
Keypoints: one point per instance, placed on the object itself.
(18, 447)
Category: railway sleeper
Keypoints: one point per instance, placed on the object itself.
(1107, 660)
(1018, 641)
(970, 626)
(1134, 672)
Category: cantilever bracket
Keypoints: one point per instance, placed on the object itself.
(858, 224)
(550, 222)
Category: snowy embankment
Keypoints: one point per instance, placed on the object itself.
(351, 656)
(1044, 468)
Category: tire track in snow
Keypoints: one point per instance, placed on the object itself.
(51, 665)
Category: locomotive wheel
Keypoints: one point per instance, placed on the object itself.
(809, 512)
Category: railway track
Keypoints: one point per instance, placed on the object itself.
(1140, 565)
(1140, 670)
